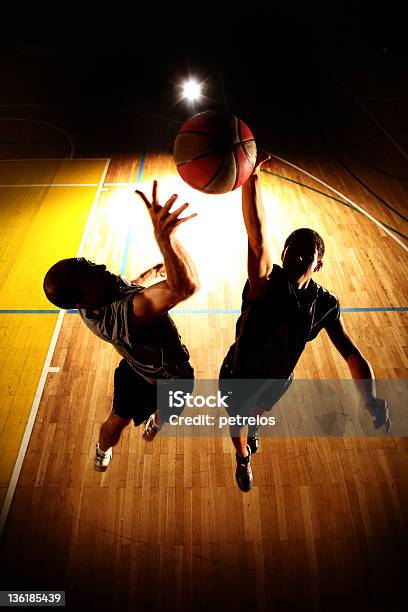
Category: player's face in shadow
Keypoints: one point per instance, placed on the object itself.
(300, 259)
(100, 287)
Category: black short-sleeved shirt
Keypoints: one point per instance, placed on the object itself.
(272, 331)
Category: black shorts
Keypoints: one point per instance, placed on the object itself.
(135, 398)
(266, 393)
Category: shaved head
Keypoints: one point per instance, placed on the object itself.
(77, 282)
(62, 284)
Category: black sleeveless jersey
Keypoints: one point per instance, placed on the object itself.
(272, 331)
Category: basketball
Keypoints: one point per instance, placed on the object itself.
(214, 152)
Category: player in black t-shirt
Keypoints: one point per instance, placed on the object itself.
(282, 309)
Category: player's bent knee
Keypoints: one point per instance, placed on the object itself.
(117, 421)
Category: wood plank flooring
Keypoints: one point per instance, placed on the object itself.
(166, 527)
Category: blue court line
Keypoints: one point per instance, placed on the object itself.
(402, 309)
(129, 234)
(30, 311)
(176, 311)
(379, 309)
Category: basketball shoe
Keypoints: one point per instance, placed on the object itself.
(253, 439)
(102, 459)
(243, 473)
(151, 428)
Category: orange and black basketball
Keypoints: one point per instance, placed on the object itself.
(214, 152)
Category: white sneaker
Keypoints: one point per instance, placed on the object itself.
(102, 459)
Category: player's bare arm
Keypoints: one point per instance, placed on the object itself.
(361, 372)
(259, 258)
(182, 279)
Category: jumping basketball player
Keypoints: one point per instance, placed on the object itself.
(135, 320)
(282, 309)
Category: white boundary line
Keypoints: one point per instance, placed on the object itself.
(49, 185)
(46, 369)
(364, 212)
(89, 222)
(133, 183)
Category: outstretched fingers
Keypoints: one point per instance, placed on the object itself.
(183, 219)
(162, 218)
(173, 219)
(144, 198)
(170, 202)
(154, 193)
(178, 211)
(153, 203)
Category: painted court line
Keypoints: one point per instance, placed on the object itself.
(15, 311)
(134, 184)
(50, 185)
(129, 234)
(50, 125)
(44, 373)
(220, 311)
(30, 424)
(340, 194)
(379, 309)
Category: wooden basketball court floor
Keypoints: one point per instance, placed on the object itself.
(165, 527)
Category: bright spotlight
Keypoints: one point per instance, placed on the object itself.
(192, 90)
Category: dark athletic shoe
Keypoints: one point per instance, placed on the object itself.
(243, 473)
(253, 440)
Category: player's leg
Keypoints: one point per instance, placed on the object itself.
(110, 431)
(124, 400)
(253, 430)
(135, 398)
(239, 439)
(243, 472)
(265, 403)
(109, 435)
(158, 418)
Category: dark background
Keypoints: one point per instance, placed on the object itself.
(99, 70)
